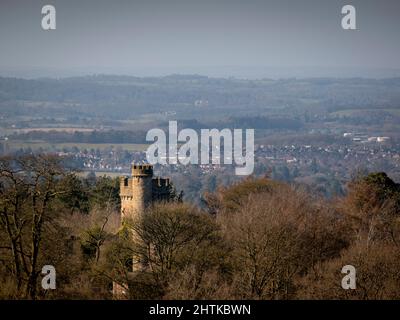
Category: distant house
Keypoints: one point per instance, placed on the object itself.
(201, 103)
(382, 139)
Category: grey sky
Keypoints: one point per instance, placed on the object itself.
(121, 36)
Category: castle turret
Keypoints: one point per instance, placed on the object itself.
(136, 191)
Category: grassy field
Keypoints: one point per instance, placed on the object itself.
(35, 145)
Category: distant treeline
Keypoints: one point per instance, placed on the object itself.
(120, 97)
(139, 136)
(260, 122)
(111, 136)
(265, 123)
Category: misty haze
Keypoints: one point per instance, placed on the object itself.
(79, 197)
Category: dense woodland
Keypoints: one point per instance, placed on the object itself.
(255, 239)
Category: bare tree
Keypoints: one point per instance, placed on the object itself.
(29, 186)
(278, 235)
(172, 237)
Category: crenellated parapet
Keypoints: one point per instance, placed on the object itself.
(140, 190)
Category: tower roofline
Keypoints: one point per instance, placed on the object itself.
(142, 170)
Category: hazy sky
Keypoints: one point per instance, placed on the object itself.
(121, 36)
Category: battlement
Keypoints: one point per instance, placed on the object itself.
(160, 182)
(140, 190)
(142, 170)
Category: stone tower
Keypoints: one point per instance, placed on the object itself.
(136, 191)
